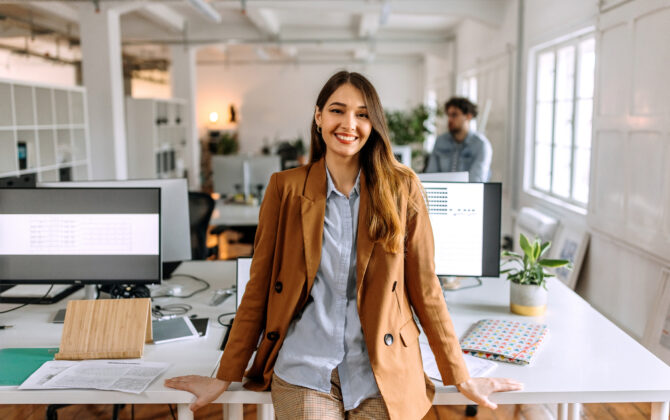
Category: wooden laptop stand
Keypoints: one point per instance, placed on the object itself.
(105, 329)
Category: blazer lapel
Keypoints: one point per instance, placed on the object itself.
(313, 213)
(364, 244)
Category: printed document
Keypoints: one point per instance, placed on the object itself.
(132, 375)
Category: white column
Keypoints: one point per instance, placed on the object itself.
(182, 77)
(265, 412)
(183, 412)
(660, 410)
(103, 79)
(233, 411)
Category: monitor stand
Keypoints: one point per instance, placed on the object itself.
(34, 300)
(452, 283)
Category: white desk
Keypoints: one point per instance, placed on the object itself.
(234, 214)
(199, 356)
(586, 358)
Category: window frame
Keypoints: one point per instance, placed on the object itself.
(574, 39)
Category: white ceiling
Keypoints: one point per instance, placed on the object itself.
(267, 30)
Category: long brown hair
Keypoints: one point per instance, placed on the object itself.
(387, 180)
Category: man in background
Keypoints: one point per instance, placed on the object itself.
(461, 150)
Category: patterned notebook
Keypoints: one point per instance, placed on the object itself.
(504, 341)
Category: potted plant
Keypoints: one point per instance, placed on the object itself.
(528, 275)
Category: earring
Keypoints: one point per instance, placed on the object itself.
(318, 129)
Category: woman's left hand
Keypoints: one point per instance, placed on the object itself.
(479, 389)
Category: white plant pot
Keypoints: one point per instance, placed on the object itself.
(527, 299)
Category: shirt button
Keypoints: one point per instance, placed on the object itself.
(279, 287)
(388, 339)
(273, 336)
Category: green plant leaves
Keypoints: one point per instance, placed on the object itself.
(531, 265)
(553, 263)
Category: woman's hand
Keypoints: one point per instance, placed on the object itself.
(479, 389)
(205, 389)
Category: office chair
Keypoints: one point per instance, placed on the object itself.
(200, 206)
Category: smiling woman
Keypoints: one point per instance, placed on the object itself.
(343, 254)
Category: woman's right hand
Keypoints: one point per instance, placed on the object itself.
(205, 389)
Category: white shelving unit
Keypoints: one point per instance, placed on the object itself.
(43, 131)
(157, 137)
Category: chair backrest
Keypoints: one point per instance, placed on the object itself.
(201, 206)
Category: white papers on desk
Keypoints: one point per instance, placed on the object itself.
(476, 366)
(132, 376)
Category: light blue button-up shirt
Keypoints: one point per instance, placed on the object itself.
(472, 155)
(329, 334)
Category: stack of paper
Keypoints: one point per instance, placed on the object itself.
(132, 376)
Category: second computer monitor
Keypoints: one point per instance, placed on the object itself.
(175, 225)
(465, 218)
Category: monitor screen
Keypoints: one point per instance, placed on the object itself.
(465, 218)
(175, 223)
(80, 235)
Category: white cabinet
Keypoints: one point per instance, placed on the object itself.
(156, 135)
(44, 131)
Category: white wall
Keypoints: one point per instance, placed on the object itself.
(629, 210)
(35, 69)
(276, 101)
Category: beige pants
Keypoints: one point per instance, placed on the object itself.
(292, 402)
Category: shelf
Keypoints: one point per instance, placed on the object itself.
(23, 105)
(6, 113)
(62, 106)
(49, 125)
(44, 99)
(8, 162)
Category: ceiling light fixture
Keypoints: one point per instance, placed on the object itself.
(206, 9)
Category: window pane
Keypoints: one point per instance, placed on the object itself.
(545, 77)
(587, 66)
(580, 188)
(472, 94)
(563, 124)
(561, 176)
(542, 176)
(543, 127)
(565, 73)
(583, 116)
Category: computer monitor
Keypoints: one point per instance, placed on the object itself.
(444, 176)
(261, 169)
(175, 224)
(465, 218)
(79, 236)
(228, 174)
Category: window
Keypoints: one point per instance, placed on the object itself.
(563, 110)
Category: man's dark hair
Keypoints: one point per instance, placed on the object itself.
(463, 104)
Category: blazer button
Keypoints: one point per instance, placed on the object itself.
(273, 336)
(279, 287)
(388, 339)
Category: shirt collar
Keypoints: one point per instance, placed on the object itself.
(331, 185)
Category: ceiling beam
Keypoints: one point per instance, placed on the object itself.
(56, 8)
(164, 15)
(265, 20)
(368, 25)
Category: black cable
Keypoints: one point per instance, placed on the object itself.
(26, 304)
(172, 412)
(218, 319)
(202, 289)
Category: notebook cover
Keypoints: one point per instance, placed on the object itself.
(17, 364)
(505, 341)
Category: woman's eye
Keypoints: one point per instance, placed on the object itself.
(336, 111)
(363, 115)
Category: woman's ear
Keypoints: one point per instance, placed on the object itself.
(317, 115)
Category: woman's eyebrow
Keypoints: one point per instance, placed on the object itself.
(344, 105)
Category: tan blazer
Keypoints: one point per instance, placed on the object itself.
(286, 258)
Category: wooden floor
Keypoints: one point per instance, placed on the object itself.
(635, 411)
